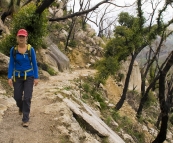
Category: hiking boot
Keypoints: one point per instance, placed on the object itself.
(25, 124)
(20, 112)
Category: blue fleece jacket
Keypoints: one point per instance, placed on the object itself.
(22, 63)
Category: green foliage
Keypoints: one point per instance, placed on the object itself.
(55, 4)
(150, 100)
(106, 67)
(84, 26)
(105, 140)
(108, 120)
(85, 96)
(47, 68)
(72, 43)
(103, 105)
(90, 92)
(120, 76)
(125, 19)
(96, 95)
(44, 45)
(115, 116)
(64, 139)
(153, 32)
(51, 71)
(118, 48)
(128, 40)
(4, 84)
(152, 71)
(82, 23)
(128, 126)
(7, 43)
(67, 88)
(35, 24)
(86, 87)
(58, 26)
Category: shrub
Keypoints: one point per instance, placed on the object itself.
(72, 43)
(150, 100)
(86, 87)
(48, 69)
(35, 24)
(85, 96)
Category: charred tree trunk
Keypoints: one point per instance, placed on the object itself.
(45, 4)
(70, 32)
(164, 110)
(164, 106)
(158, 120)
(145, 96)
(123, 97)
(5, 14)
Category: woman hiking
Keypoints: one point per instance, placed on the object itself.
(23, 74)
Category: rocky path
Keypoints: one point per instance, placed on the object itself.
(43, 120)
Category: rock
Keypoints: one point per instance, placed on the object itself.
(4, 60)
(135, 78)
(94, 122)
(43, 75)
(128, 138)
(60, 58)
(144, 128)
(169, 135)
(2, 109)
(2, 90)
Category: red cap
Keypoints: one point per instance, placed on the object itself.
(22, 32)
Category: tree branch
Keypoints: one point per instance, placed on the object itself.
(79, 13)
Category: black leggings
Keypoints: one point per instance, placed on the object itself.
(22, 94)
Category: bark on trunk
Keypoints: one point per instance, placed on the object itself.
(164, 111)
(163, 104)
(144, 97)
(123, 97)
(45, 4)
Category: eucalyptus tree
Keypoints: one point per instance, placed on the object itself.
(141, 37)
(163, 100)
(163, 33)
(136, 37)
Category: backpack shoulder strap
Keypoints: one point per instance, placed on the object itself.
(29, 51)
(29, 47)
(14, 52)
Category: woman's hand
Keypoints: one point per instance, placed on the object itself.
(10, 82)
(35, 82)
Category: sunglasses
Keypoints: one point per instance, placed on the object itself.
(21, 36)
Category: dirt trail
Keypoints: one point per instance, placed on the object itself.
(42, 126)
(39, 130)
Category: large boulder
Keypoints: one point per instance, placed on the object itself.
(3, 29)
(59, 58)
(135, 78)
(94, 123)
(4, 60)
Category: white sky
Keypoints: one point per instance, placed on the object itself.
(146, 7)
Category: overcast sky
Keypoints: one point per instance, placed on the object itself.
(146, 7)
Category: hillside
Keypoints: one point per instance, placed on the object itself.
(67, 107)
(165, 50)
